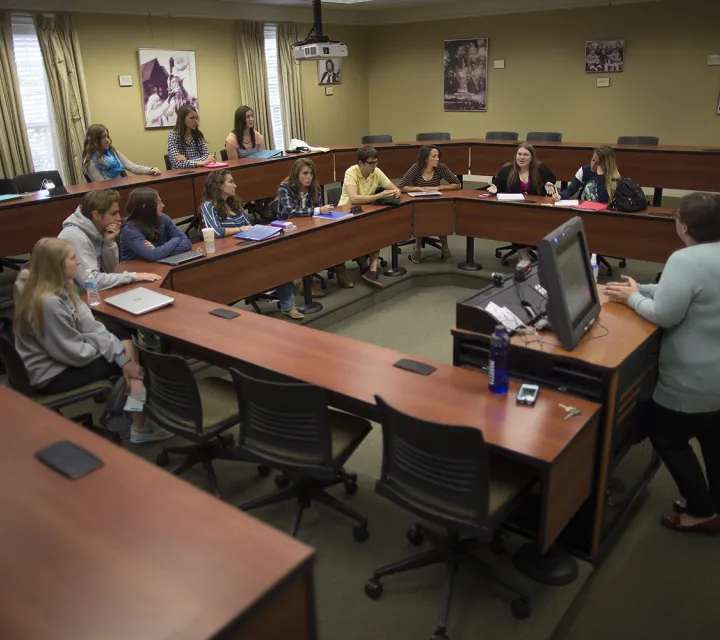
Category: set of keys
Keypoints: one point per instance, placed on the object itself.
(570, 411)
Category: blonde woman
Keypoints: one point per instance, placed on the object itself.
(101, 161)
(594, 182)
(62, 346)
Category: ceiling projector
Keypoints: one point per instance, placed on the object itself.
(319, 50)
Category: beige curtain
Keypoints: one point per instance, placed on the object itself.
(60, 48)
(15, 156)
(253, 76)
(291, 89)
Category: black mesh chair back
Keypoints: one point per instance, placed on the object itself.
(433, 136)
(29, 182)
(501, 135)
(283, 422)
(7, 187)
(166, 157)
(439, 472)
(376, 138)
(332, 195)
(172, 392)
(544, 136)
(649, 140)
(223, 155)
(17, 375)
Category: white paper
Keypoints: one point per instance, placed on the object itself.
(510, 196)
(567, 203)
(504, 316)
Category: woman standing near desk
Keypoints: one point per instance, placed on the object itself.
(222, 211)
(147, 232)
(686, 402)
(243, 140)
(426, 175)
(187, 148)
(101, 161)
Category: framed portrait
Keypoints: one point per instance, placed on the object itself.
(329, 71)
(718, 107)
(604, 56)
(465, 75)
(168, 82)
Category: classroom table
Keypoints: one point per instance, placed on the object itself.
(131, 551)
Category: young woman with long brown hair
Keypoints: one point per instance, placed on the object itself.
(594, 182)
(187, 148)
(244, 140)
(102, 161)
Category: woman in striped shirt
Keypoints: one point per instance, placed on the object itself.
(186, 143)
(426, 175)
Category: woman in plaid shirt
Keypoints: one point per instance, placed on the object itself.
(186, 143)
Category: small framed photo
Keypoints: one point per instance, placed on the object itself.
(604, 56)
(330, 71)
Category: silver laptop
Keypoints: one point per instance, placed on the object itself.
(424, 194)
(139, 300)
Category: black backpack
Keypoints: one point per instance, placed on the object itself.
(629, 196)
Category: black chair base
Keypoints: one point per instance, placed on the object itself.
(512, 250)
(305, 490)
(12, 263)
(452, 551)
(555, 568)
(429, 241)
(253, 301)
(602, 260)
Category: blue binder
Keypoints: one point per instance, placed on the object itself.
(259, 232)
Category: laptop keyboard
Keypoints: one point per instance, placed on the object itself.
(183, 257)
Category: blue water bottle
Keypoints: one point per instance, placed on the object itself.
(499, 377)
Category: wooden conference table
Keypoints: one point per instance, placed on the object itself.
(26, 220)
(130, 551)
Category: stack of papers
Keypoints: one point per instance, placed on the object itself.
(567, 203)
(504, 316)
(510, 196)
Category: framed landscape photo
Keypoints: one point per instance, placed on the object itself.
(604, 56)
(329, 71)
(465, 71)
(168, 82)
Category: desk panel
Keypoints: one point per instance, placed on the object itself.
(433, 218)
(234, 275)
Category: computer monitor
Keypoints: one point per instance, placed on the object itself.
(565, 272)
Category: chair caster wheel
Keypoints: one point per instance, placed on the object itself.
(373, 588)
(263, 471)
(520, 608)
(415, 536)
(361, 533)
(439, 636)
(497, 546)
(504, 262)
(623, 264)
(351, 487)
(498, 254)
(163, 459)
(281, 481)
(323, 285)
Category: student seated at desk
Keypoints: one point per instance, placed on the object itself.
(62, 346)
(223, 212)
(92, 230)
(686, 402)
(147, 232)
(426, 175)
(594, 182)
(364, 183)
(525, 174)
(101, 161)
(243, 140)
(187, 148)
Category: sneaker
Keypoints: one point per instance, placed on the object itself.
(373, 278)
(446, 255)
(149, 340)
(415, 256)
(294, 313)
(149, 434)
(316, 292)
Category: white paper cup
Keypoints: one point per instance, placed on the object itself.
(209, 239)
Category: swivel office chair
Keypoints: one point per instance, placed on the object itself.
(432, 136)
(168, 166)
(501, 135)
(8, 187)
(29, 182)
(544, 136)
(223, 155)
(647, 140)
(372, 139)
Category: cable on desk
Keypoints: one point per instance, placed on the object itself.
(604, 335)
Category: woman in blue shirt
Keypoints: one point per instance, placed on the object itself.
(222, 211)
(147, 232)
(101, 161)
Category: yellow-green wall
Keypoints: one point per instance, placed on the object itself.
(667, 88)
(109, 47)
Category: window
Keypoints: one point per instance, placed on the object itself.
(273, 74)
(35, 95)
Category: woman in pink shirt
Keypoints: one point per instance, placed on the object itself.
(243, 140)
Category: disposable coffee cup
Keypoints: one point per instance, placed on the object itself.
(209, 239)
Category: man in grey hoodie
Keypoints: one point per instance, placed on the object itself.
(92, 230)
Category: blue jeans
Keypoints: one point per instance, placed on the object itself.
(286, 295)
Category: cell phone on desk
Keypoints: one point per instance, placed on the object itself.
(528, 394)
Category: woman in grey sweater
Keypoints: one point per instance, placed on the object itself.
(686, 402)
(101, 161)
(61, 345)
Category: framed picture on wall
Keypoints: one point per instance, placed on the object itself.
(465, 75)
(604, 56)
(718, 108)
(168, 82)
(329, 71)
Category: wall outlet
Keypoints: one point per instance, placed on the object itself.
(125, 81)
(603, 82)
(498, 64)
(713, 60)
